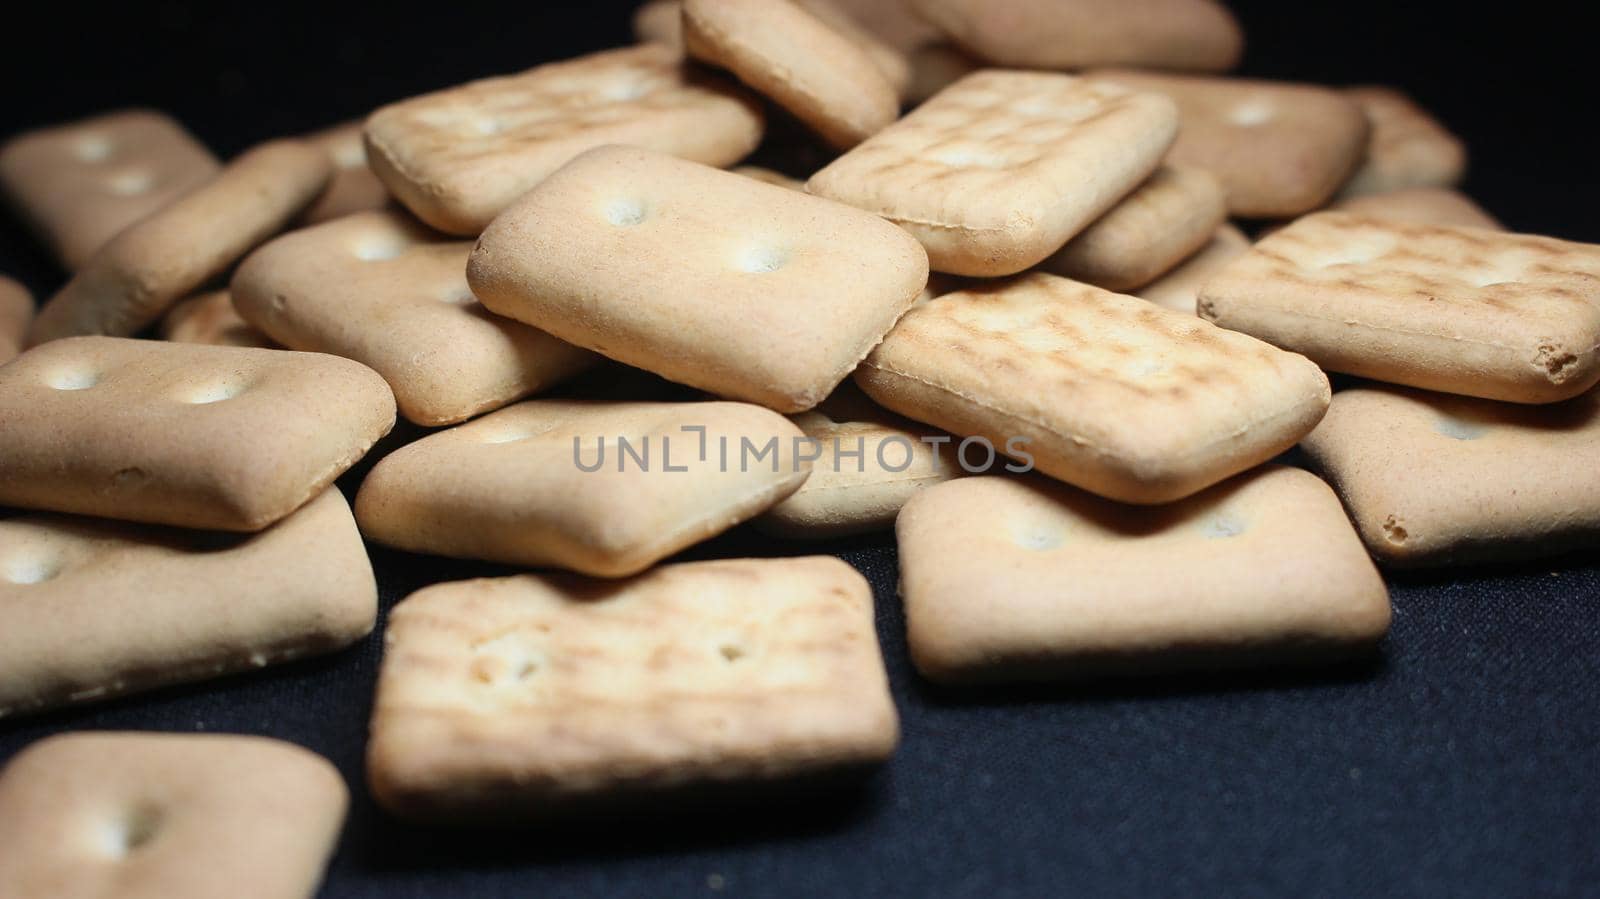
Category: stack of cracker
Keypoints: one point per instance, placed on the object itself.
(974, 322)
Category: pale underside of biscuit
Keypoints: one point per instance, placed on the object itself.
(715, 280)
(1461, 310)
(531, 697)
(91, 609)
(380, 288)
(214, 437)
(1011, 580)
(1432, 479)
(1107, 392)
(167, 816)
(607, 489)
(78, 185)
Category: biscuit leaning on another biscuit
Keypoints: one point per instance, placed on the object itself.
(458, 157)
(1434, 479)
(1191, 35)
(997, 171)
(16, 311)
(91, 609)
(210, 318)
(354, 188)
(715, 280)
(1178, 289)
(1461, 310)
(1107, 392)
(1422, 206)
(214, 437)
(78, 185)
(1164, 221)
(785, 52)
(1408, 148)
(607, 489)
(379, 288)
(546, 697)
(1016, 580)
(175, 251)
(869, 461)
(167, 816)
(1280, 149)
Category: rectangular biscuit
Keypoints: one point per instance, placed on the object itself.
(16, 311)
(1178, 289)
(537, 697)
(1018, 579)
(379, 288)
(1408, 148)
(1460, 310)
(1434, 479)
(605, 488)
(210, 318)
(179, 248)
(1280, 149)
(222, 438)
(1107, 392)
(92, 609)
(458, 157)
(1163, 222)
(1188, 35)
(998, 170)
(167, 816)
(80, 184)
(715, 280)
(869, 461)
(1423, 206)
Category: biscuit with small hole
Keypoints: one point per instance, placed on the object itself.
(750, 291)
(215, 437)
(167, 816)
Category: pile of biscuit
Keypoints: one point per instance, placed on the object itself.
(1070, 423)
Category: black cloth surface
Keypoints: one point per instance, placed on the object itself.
(1461, 762)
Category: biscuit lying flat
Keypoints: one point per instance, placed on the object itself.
(1010, 580)
(1408, 148)
(80, 184)
(530, 697)
(175, 251)
(223, 438)
(715, 280)
(1192, 35)
(458, 157)
(1423, 206)
(1280, 149)
(167, 816)
(378, 288)
(211, 319)
(16, 311)
(603, 488)
(354, 187)
(998, 170)
(1433, 479)
(868, 463)
(1461, 310)
(1166, 220)
(90, 609)
(1108, 392)
(1179, 289)
(788, 54)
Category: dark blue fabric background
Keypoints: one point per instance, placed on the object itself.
(1462, 763)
